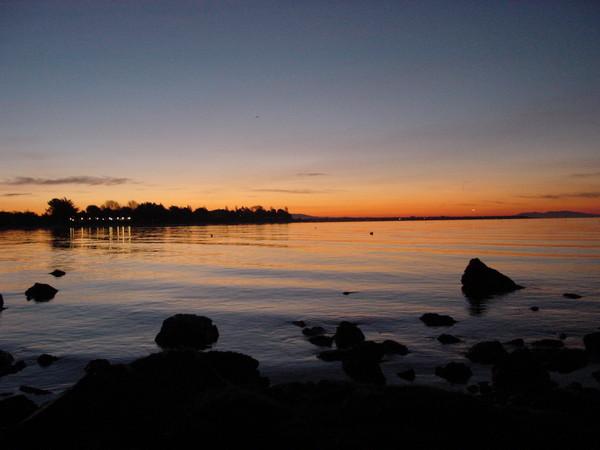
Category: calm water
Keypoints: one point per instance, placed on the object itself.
(122, 282)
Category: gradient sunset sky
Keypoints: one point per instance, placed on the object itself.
(331, 108)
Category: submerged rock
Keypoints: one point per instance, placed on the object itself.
(58, 273)
(481, 281)
(454, 373)
(41, 292)
(313, 331)
(187, 330)
(437, 320)
(299, 323)
(571, 296)
(321, 341)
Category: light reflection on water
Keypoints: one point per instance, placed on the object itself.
(253, 280)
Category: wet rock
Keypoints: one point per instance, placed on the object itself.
(548, 343)
(321, 341)
(236, 368)
(437, 320)
(521, 372)
(187, 330)
(34, 391)
(394, 348)
(567, 360)
(592, 343)
(487, 352)
(313, 331)
(45, 360)
(347, 335)
(15, 409)
(41, 292)
(58, 273)
(299, 323)
(97, 365)
(6, 364)
(519, 342)
(408, 375)
(481, 281)
(572, 296)
(448, 339)
(454, 373)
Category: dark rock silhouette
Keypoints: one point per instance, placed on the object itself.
(437, 320)
(518, 342)
(2, 303)
(490, 352)
(41, 292)
(6, 359)
(299, 323)
(548, 343)
(349, 292)
(454, 373)
(45, 360)
(448, 339)
(187, 330)
(408, 375)
(313, 331)
(335, 355)
(14, 409)
(391, 347)
(34, 391)
(596, 375)
(363, 365)
(96, 365)
(348, 334)
(572, 296)
(521, 372)
(58, 273)
(321, 341)
(534, 308)
(567, 360)
(592, 343)
(480, 281)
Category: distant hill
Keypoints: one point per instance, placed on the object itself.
(556, 215)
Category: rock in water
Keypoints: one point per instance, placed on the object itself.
(41, 292)
(437, 320)
(58, 273)
(481, 281)
(187, 330)
(348, 334)
(454, 373)
(490, 352)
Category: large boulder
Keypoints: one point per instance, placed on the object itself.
(41, 292)
(347, 335)
(487, 352)
(187, 330)
(481, 281)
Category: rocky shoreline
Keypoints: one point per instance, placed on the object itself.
(189, 393)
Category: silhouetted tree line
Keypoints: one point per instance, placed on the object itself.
(64, 212)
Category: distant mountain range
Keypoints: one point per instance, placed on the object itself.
(530, 215)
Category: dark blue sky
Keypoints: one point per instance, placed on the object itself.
(328, 107)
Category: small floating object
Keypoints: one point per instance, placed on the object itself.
(534, 308)
(58, 273)
(349, 292)
(371, 233)
(41, 292)
(573, 296)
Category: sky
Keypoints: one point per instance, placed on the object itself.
(330, 108)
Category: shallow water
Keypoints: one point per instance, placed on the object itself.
(253, 280)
